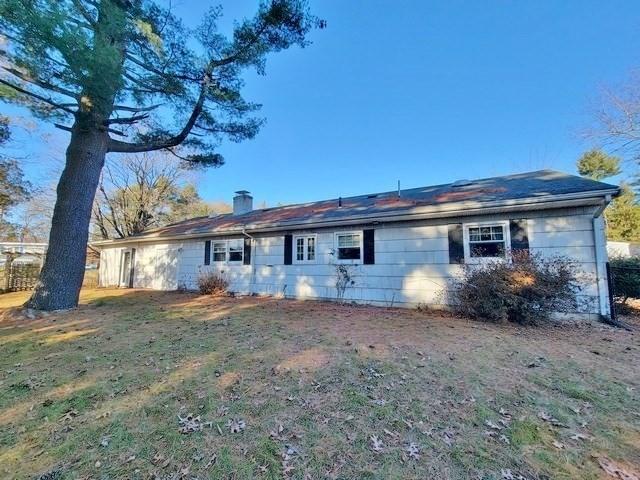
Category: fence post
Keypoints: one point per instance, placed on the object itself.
(7, 272)
(612, 306)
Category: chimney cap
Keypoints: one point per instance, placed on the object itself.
(243, 192)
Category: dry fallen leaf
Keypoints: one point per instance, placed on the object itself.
(236, 425)
(376, 444)
(548, 418)
(558, 445)
(413, 451)
(508, 475)
(492, 425)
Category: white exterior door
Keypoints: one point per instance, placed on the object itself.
(125, 268)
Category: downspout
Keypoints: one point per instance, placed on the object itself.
(600, 247)
(253, 263)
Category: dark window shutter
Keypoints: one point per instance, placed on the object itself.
(246, 260)
(519, 235)
(132, 268)
(456, 245)
(207, 252)
(368, 243)
(288, 249)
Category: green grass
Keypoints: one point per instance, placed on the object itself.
(97, 392)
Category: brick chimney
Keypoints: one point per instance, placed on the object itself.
(242, 202)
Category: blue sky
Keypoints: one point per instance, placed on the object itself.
(423, 92)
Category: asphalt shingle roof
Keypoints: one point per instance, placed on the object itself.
(542, 183)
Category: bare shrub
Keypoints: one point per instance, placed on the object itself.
(344, 279)
(525, 288)
(212, 283)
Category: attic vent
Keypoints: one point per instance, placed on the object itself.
(461, 183)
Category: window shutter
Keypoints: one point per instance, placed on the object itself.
(368, 243)
(246, 259)
(519, 235)
(132, 268)
(288, 249)
(207, 252)
(456, 245)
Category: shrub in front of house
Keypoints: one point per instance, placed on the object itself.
(524, 288)
(626, 278)
(212, 283)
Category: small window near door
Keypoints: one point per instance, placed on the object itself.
(219, 251)
(349, 246)
(487, 241)
(305, 248)
(236, 250)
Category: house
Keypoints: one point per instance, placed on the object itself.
(397, 248)
(622, 249)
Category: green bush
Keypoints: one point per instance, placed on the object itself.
(525, 288)
(625, 274)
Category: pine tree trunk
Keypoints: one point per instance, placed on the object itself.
(63, 271)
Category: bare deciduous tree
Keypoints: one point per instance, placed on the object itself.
(137, 193)
(617, 119)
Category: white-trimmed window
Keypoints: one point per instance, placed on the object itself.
(305, 248)
(349, 246)
(220, 251)
(486, 240)
(236, 250)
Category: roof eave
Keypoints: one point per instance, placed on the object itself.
(458, 209)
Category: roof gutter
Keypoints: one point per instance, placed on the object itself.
(419, 213)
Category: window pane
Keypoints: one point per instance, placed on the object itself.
(349, 240)
(300, 249)
(236, 250)
(311, 248)
(219, 251)
(487, 249)
(349, 253)
(235, 256)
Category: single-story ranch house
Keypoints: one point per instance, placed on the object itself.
(396, 248)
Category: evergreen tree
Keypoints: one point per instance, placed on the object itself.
(597, 165)
(623, 214)
(115, 74)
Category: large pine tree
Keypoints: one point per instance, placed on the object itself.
(122, 76)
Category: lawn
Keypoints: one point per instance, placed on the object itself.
(139, 384)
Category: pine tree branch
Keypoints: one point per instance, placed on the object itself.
(40, 83)
(46, 100)
(84, 12)
(126, 108)
(152, 69)
(125, 147)
(128, 120)
(63, 127)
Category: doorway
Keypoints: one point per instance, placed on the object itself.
(127, 268)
